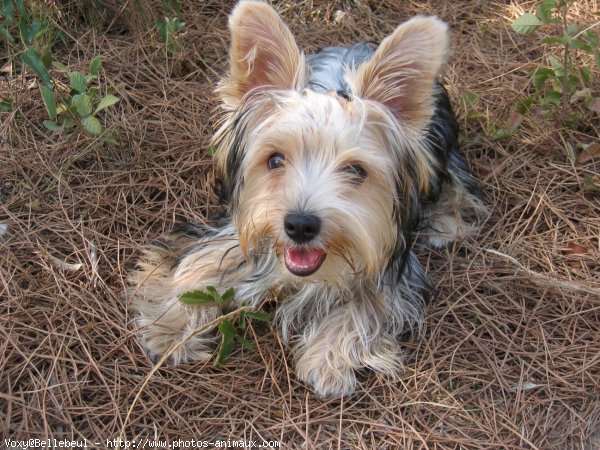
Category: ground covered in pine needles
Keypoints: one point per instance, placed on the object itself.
(511, 355)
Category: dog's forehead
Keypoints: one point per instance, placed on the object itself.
(323, 117)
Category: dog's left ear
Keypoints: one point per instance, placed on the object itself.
(263, 53)
(403, 69)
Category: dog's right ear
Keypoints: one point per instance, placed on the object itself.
(263, 53)
(401, 73)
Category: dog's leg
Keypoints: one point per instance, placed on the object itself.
(350, 337)
(341, 337)
(181, 263)
(459, 209)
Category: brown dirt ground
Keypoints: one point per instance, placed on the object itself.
(511, 356)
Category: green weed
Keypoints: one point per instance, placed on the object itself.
(564, 81)
(81, 106)
(228, 329)
(30, 33)
(170, 24)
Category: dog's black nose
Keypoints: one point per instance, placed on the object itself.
(301, 228)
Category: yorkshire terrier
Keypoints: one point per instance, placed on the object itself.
(333, 165)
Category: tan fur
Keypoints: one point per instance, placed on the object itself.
(403, 69)
(263, 53)
(316, 152)
(349, 338)
(164, 273)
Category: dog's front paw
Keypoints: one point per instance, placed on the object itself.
(328, 378)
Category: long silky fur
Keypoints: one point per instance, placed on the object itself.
(371, 288)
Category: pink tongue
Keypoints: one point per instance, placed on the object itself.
(303, 260)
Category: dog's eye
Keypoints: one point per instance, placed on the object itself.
(275, 161)
(356, 171)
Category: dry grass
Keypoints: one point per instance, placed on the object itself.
(511, 358)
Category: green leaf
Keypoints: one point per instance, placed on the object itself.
(68, 122)
(227, 296)
(161, 26)
(573, 82)
(7, 9)
(5, 106)
(259, 315)
(28, 31)
(107, 101)
(591, 38)
(242, 322)
(469, 100)
(227, 331)
(556, 64)
(571, 29)
(553, 98)
(555, 40)
(544, 10)
(33, 60)
(52, 125)
(540, 76)
(6, 34)
(212, 291)
(21, 7)
(95, 65)
(83, 103)
(196, 298)
(49, 101)
(59, 66)
(581, 94)
(524, 106)
(92, 125)
(244, 342)
(78, 81)
(586, 74)
(47, 59)
(581, 45)
(210, 151)
(501, 133)
(526, 24)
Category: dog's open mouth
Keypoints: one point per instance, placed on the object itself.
(303, 262)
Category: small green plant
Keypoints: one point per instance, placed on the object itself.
(30, 33)
(170, 24)
(81, 106)
(18, 24)
(228, 329)
(564, 81)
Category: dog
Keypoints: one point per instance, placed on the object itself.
(333, 166)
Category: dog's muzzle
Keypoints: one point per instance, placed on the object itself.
(301, 229)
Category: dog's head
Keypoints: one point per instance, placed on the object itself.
(329, 181)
